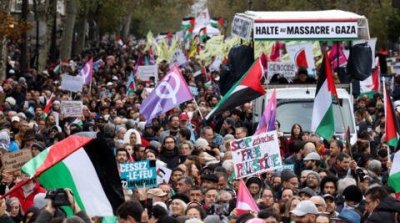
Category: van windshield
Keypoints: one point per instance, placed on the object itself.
(295, 111)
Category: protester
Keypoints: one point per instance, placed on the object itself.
(320, 180)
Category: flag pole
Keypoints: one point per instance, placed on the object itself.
(348, 144)
(90, 87)
(198, 109)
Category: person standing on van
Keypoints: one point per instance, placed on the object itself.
(302, 77)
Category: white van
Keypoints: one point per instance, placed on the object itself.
(295, 105)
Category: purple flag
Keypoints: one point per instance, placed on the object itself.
(87, 72)
(267, 121)
(169, 93)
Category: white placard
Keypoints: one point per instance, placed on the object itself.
(256, 154)
(71, 108)
(178, 58)
(241, 27)
(71, 83)
(305, 30)
(288, 70)
(145, 72)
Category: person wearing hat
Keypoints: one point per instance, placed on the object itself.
(37, 147)
(255, 186)
(289, 180)
(306, 193)
(330, 205)
(311, 161)
(353, 198)
(305, 212)
(156, 194)
(348, 216)
(313, 181)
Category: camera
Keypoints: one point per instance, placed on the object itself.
(360, 174)
(59, 197)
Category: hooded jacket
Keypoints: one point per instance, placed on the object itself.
(386, 211)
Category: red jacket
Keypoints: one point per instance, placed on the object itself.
(27, 202)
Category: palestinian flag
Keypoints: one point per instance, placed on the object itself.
(130, 85)
(249, 87)
(188, 23)
(322, 118)
(217, 22)
(87, 166)
(391, 126)
(203, 34)
(371, 85)
(394, 176)
(49, 104)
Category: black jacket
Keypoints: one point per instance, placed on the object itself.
(386, 211)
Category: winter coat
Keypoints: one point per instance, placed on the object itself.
(386, 211)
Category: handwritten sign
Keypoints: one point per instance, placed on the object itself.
(71, 83)
(71, 108)
(138, 174)
(256, 154)
(145, 72)
(15, 160)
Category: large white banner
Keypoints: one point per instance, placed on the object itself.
(256, 154)
(71, 83)
(305, 30)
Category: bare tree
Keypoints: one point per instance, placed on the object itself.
(71, 9)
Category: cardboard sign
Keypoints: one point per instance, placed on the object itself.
(71, 108)
(71, 83)
(15, 160)
(138, 174)
(288, 70)
(145, 72)
(256, 154)
(305, 30)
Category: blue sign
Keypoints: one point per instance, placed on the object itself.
(139, 174)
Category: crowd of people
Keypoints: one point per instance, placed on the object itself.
(329, 181)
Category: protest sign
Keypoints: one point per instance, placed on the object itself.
(145, 72)
(178, 58)
(71, 108)
(15, 160)
(288, 70)
(163, 174)
(256, 154)
(286, 166)
(71, 83)
(138, 174)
